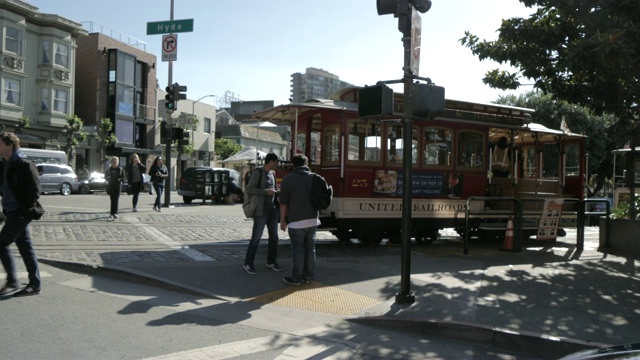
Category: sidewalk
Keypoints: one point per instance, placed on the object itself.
(550, 300)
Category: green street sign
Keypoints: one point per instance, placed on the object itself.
(169, 26)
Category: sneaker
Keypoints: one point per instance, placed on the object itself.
(135, 209)
(249, 269)
(290, 281)
(28, 291)
(8, 289)
(274, 267)
(155, 208)
(306, 281)
(115, 216)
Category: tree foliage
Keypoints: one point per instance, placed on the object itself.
(105, 136)
(226, 148)
(584, 52)
(74, 135)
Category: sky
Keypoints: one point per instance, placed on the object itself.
(249, 49)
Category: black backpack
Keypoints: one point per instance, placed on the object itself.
(321, 193)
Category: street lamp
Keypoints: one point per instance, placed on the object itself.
(193, 113)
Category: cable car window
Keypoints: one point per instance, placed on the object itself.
(364, 141)
(437, 146)
(470, 149)
(572, 167)
(331, 142)
(395, 145)
(550, 157)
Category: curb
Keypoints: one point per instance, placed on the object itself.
(133, 275)
(547, 346)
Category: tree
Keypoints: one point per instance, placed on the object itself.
(75, 135)
(226, 148)
(584, 52)
(105, 136)
(22, 124)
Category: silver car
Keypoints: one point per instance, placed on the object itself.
(57, 178)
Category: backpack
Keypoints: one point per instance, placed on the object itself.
(321, 193)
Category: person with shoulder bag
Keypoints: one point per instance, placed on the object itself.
(114, 177)
(20, 190)
(135, 169)
(158, 173)
(261, 191)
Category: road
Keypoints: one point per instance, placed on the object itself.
(92, 315)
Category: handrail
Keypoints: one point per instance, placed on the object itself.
(518, 214)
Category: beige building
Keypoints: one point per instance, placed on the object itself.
(37, 74)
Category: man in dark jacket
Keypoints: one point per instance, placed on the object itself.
(302, 217)
(20, 188)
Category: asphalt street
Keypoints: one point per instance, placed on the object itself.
(548, 301)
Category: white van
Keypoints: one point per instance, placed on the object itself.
(39, 156)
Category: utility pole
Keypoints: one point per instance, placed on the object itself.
(169, 138)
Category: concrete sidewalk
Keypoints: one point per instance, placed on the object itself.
(547, 301)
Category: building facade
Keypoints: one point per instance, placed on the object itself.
(314, 84)
(37, 74)
(117, 80)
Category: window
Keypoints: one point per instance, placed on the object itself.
(529, 162)
(13, 40)
(124, 99)
(437, 146)
(11, 92)
(124, 131)
(550, 157)
(395, 145)
(572, 167)
(207, 125)
(331, 145)
(364, 141)
(61, 55)
(60, 99)
(44, 99)
(46, 52)
(470, 149)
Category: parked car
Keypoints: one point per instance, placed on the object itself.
(57, 178)
(146, 184)
(187, 185)
(94, 182)
(599, 206)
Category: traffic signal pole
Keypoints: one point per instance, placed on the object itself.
(169, 138)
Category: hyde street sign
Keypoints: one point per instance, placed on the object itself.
(169, 26)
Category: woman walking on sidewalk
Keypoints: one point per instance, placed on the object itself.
(114, 177)
(158, 173)
(135, 169)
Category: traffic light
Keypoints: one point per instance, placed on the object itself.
(178, 92)
(163, 132)
(170, 104)
(427, 100)
(400, 7)
(178, 133)
(375, 101)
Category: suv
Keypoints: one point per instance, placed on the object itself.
(187, 186)
(57, 178)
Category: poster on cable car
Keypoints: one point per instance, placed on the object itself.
(548, 226)
(423, 184)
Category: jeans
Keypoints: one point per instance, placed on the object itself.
(159, 188)
(303, 251)
(114, 195)
(270, 219)
(135, 191)
(16, 229)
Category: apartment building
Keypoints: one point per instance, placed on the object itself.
(314, 84)
(37, 73)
